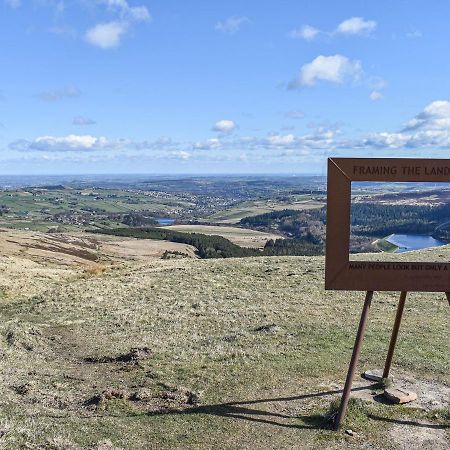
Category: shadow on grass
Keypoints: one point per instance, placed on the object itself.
(241, 410)
(433, 426)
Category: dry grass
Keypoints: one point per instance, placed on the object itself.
(240, 236)
(258, 341)
(96, 270)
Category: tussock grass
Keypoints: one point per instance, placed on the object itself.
(258, 341)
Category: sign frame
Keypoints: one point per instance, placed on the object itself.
(343, 274)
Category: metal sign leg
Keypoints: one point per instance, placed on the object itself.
(395, 330)
(354, 361)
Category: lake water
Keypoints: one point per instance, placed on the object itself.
(165, 221)
(409, 242)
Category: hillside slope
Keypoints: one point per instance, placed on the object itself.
(198, 354)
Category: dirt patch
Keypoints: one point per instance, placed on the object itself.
(418, 436)
(135, 355)
(431, 395)
(90, 243)
(141, 249)
(180, 396)
(270, 328)
(79, 253)
(170, 399)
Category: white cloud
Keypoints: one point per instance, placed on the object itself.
(306, 32)
(333, 69)
(70, 143)
(57, 95)
(224, 126)
(416, 34)
(109, 34)
(436, 116)
(376, 83)
(375, 95)
(182, 154)
(209, 144)
(356, 25)
(281, 140)
(106, 35)
(232, 25)
(428, 130)
(127, 12)
(353, 26)
(82, 121)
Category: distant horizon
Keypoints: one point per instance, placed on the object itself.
(187, 174)
(190, 175)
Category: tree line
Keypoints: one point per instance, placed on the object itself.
(217, 246)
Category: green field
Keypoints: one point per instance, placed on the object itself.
(35, 208)
(254, 208)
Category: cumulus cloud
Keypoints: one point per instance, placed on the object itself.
(356, 25)
(428, 130)
(376, 83)
(224, 126)
(306, 32)
(281, 140)
(57, 95)
(232, 25)
(333, 69)
(106, 35)
(209, 144)
(349, 27)
(375, 96)
(436, 116)
(83, 121)
(127, 12)
(182, 154)
(70, 143)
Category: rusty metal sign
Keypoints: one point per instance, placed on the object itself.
(343, 274)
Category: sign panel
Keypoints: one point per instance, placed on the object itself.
(343, 274)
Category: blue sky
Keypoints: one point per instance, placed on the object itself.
(171, 86)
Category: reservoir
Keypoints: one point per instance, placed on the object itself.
(163, 221)
(409, 242)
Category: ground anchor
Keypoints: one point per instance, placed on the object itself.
(397, 395)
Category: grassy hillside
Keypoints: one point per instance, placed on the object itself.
(201, 354)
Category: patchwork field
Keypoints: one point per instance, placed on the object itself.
(245, 353)
(253, 208)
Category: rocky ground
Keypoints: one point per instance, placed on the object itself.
(104, 345)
